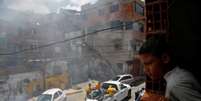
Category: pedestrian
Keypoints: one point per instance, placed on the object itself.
(99, 89)
(111, 90)
(156, 55)
(98, 86)
(89, 89)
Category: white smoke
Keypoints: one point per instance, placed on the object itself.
(46, 6)
(76, 5)
(29, 5)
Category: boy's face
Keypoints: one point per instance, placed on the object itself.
(153, 66)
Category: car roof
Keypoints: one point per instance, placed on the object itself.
(52, 91)
(113, 82)
(124, 75)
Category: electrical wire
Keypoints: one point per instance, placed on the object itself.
(64, 41)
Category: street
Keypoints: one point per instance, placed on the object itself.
(79, 95)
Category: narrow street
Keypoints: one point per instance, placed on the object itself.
(51, 50)
(79, 95)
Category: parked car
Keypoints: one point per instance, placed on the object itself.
(123, 91)
(139, 94)
(126, 78)
(54, 94)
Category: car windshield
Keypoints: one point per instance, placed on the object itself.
(44, 97)
(116, 78)
(95, 94)
(106, 86)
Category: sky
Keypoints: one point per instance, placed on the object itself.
(77, 5)
(45, 6)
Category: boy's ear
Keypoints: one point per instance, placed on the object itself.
(165, 58)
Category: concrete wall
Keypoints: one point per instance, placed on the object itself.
(108, 42)
(14, 88)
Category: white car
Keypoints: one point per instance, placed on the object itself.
(126, 78)
(54, 94)
(123, 92)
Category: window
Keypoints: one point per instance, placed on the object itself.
(56, 95)
(60, 93)
(118, 43)
(141, 27)
(138, 8)
(129, 25)
(138, 27)
(122, 86)
(125, 78)
(114, 8)
(44, 97)
(128, 77)
(118, 25)
(91, 29)
(106, 86)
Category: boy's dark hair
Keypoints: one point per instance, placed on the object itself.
(156, 45)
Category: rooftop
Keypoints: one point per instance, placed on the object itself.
(52, 91)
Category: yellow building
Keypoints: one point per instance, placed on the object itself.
(54, 81)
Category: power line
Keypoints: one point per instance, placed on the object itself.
(66, 40)
(58, 42)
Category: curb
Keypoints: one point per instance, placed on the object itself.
(75, 92)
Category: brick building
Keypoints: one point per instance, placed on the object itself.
(125, 21)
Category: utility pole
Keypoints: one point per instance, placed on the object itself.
(43, 74)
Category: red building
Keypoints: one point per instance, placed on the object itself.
(129, 14)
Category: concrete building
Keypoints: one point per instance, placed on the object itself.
(28, 31)
(125, 22)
